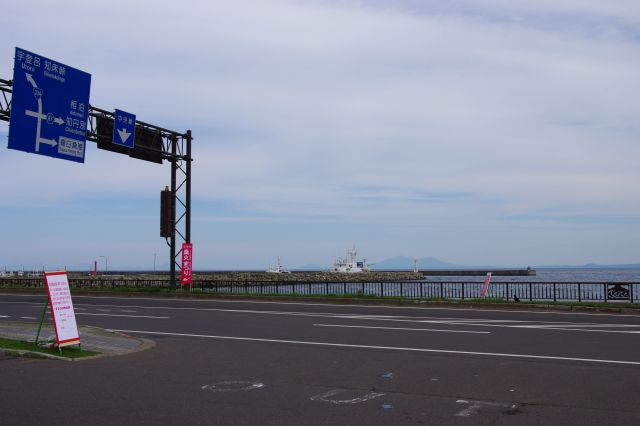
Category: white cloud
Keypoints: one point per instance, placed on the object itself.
(298, 105)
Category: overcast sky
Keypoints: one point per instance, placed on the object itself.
(475, 131)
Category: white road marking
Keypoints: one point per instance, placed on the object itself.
(120, 315)
(104, 310)
(232, 386)
(548, 324)
(124, 310)
(325, 397)
(476, 405)
(551, 326)
(5, 316)
(449, 321)
(401, 328)
(545, 325)
(488, 321)
(426, 308)
(28, 318)
(343, 345)
(580, 329)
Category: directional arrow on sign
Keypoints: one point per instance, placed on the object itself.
(31, 80)
(124, 129)
(124, 135)
(49, 142)
(57, 120)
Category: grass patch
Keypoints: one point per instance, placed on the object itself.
(67, 351)
(359, 295)
(488, 300)
(125, 289)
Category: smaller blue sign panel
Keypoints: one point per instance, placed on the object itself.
(124, 128)
(49, 107)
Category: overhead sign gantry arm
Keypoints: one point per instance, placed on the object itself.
(5, 99)
(154, 144)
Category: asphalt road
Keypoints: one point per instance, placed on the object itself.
(242, 362)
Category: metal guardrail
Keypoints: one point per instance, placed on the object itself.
(525, 291)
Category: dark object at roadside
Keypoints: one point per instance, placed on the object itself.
(617, 291)
(516, 299)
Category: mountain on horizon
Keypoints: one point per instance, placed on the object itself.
(311, 267)
(403, 262)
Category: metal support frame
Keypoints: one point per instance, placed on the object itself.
(5, 99)
(176, 148)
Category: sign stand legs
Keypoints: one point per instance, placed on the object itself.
(44, 312)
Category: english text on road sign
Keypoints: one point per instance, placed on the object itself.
(64, 318)
(124, 126)
(49, 107)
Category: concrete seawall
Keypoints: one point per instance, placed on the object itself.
(475, 272)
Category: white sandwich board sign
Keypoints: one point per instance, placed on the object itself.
(64, 317)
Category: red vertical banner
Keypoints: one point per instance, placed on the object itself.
(485, 287)
(187, 267)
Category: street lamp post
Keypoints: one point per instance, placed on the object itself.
(106, 264)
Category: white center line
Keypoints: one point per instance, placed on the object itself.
(28, 318)
(400, 328)
(561, 326)
(343, 345)
(119, 315)
(578, 329)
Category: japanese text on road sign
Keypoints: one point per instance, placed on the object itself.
(64, 318)
(49, 107)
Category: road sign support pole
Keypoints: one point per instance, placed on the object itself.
(188, 191)
(174, 167)
(187, 205)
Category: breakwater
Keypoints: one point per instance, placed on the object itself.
(246, 276)
(477, 272)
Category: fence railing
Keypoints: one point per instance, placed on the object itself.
(525, 291)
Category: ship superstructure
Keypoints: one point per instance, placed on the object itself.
(350, 263)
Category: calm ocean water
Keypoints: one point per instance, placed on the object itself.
(585, 285)
(560, 275)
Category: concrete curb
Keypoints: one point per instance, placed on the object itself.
(107, 343)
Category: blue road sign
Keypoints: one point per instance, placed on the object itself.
(124, 128)
(49, 107)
